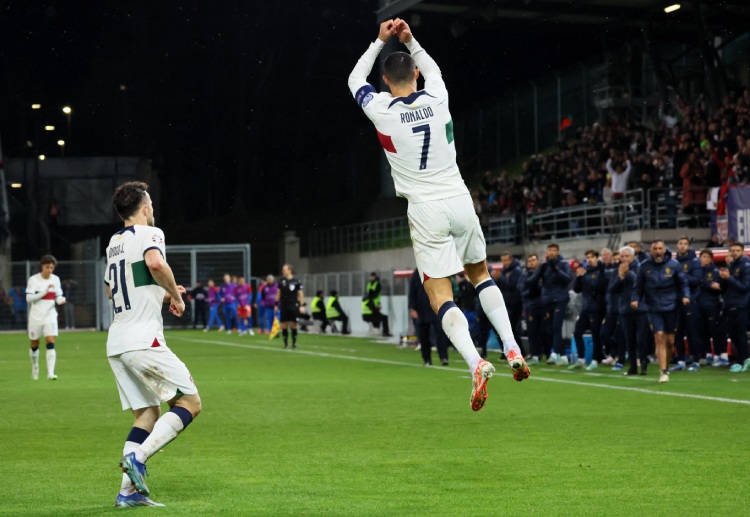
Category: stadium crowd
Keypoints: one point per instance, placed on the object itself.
(686, 150)
(633, 303)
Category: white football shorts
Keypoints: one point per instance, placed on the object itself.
(446, 234)
(39, 328)
(148, 377)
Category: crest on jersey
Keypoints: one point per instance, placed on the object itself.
(291, 287)
(157, 239)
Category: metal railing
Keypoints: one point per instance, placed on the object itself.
(506, 229)
(588, 220)
(353, 238)
(666, 210)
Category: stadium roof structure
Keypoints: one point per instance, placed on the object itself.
(552, 15)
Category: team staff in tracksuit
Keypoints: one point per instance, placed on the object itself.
(708, 309)
(533, 310)
(660, 283)
(426, 322)
(633, 322)
(611, 334)
(507, 281)
(555, 276)
(735, 287)
(687, 324)
(591, 282)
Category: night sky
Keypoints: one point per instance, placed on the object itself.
(242, 106)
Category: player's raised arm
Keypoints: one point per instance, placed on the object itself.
(427, 66)
(358, 84)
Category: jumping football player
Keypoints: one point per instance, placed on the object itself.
(416, 131)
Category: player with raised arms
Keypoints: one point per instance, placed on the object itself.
(416, 131)
(138, 281)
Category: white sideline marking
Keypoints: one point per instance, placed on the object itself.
(462, 370)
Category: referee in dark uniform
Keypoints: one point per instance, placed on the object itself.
(291, 301)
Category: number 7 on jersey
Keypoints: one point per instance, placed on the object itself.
(424, 128)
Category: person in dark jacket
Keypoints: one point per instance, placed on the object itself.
(633, 322)
(507, 281)
(555, 277)
(611, 335)
(426, 322)
(687, 326)
(591, 283)
(708, 310)
(735, 286)
(533, 309)
(662, 285)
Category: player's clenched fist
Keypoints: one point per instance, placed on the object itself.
(402, 30)
(387, 29)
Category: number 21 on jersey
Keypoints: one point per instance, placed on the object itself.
(118, 286)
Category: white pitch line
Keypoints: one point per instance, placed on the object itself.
(463, 370)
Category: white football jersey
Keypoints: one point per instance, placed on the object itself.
(43, 309)
(416, 132)
(136, 297)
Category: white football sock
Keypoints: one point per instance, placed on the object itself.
(494, 307)
(51, 358)
(456, 327)
(34, 355)
(165, 430)
(127, 487)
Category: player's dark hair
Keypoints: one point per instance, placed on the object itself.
(708, 252)
(656, 241)
(591, 252)
(737, 244)
(553, 245)
(683, 238)
(48, 259)
(129, 197)
(399, 68)
(532, 255)
(506, 254)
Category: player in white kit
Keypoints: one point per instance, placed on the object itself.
(138, 281)
(43, 291)
(416, 132)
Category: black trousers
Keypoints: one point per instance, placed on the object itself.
(344, 319)
(201, 313)
(737, 331)
(687, 327)
(635, 329)
(428, 333)
(535, 330)
(710, 329)
(611, 336)
(589, 320)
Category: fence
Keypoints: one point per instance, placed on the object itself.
(82, 286)
(87, 305)
(353, 238)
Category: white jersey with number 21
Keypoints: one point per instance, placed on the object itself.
(416, 132)
(136, 297)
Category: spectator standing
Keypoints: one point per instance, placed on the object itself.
(200, 309)
(660, 284)
(620, 173)
(735, 287)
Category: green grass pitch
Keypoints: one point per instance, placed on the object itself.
(348, 426)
